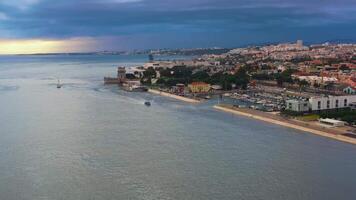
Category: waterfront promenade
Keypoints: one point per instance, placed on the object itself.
(276, 119)
(166, 94)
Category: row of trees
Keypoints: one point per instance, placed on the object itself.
(346, 115)
(183, 74)
(281, 78)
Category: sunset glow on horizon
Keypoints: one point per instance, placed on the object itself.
(33, 46)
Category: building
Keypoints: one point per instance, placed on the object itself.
(199, 87)
(350, 90)
(297, 105)
(321, 103)
(300, 43)
(178, 89)
(332, 122)
(353, 106)
(316, 79)
(121, 74)
(331, 102)
(120, 78)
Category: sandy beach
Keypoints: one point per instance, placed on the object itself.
(166, 94)
(259, 115)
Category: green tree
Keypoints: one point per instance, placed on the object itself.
(242, 78)
(200, 76)
(149, 73)
(285, 77)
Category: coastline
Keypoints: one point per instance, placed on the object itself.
(166, 94)
(284, 122)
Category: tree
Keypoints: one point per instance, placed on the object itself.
(200, 76)
(149, 73)
(351, 119)
(181, 72)
(216, 78)
(262, 76)
(242, 78)
(302, 84)
(285, 77)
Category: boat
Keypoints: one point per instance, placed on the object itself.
(59, 85)
(207, 97)
(227, 94)
(147, 103)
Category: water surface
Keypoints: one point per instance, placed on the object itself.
(90, 141)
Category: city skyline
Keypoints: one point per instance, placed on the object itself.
(43, 26)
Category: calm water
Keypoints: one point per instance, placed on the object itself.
(88, 141)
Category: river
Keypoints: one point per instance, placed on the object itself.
(87, 141)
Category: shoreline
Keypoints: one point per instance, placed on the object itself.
(166, 94)
(285, 122)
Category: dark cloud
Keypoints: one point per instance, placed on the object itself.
(163, 23)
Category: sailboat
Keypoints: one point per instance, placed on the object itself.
(59, 85)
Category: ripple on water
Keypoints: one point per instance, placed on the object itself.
(9, 87)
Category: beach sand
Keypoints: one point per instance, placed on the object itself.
(275, 119)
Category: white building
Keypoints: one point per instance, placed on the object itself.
(321, 103)
(331, 102)
(159, 64)
(300, 43)
(316, 79)
(297, 105)
(332, 122)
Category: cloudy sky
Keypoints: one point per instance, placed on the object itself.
(89, 25)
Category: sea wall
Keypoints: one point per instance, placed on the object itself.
(166, 94)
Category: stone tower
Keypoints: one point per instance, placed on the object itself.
(121, 74)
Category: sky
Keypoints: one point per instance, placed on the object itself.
(47, 26)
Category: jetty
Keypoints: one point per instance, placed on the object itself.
(166, 94)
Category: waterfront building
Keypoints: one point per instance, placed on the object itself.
(321, 103)
(121, 74)
(178, 89)
(297, 105)
(199, 87)
(120, 78)
(331, 102)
